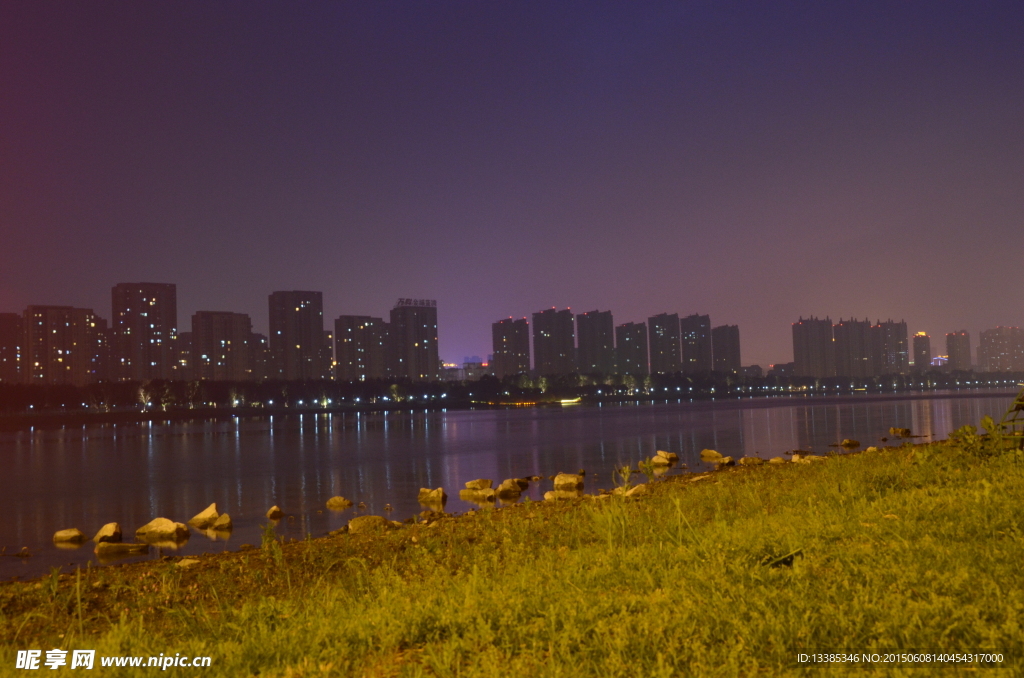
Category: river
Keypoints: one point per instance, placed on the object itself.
(86, 476)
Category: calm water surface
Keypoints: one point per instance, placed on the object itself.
(85, 477)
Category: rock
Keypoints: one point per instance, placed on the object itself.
(396, 523)
(555, 495)
(206, 518)
(275, 513)
(751, 461)
(636, 490)
(338, 503)
(478, 497)
(71, 535)
(435, 497)
(670, 456)
(187, 562)
(110, 532)
(812, 457)
(710, 455)
(872, 449)
(568, 481)
(776, 460)
(723, 461)
(368, 524)
(510, 487)
(849, 443)
(107, 549)
(900, 432)
(479, 484)
(223, 523)
(534, 479)
(162, 529)
(660, 461)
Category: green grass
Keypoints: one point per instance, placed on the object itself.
(908, 548)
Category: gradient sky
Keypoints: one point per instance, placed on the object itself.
(753, 161)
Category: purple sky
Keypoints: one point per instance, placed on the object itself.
(753, 161)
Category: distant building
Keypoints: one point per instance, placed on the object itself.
(221, 346)
(12, 342)
(259, 348)
(725, 343)
(695, 337)
(473, 371)
(60, 345)
(595, 337)
(143, 327)
(413, 340)
(890, 348)
(359, 347)
(183, 357)
(510, 341)
(664, 342)
(1001, 349)
(853, 348)
(554, 342)
(752, 371)
(327, 360)
(922, 352)
(631, 349)
(782, 370)
(813, 348)
(297, 336)
(958, 348)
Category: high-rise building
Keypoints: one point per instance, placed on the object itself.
(12, 342)
(595, 338)
(554, 342)
(144, 327)
(890, 352)
(327, 360)
(1001, 349)
(663, 331)
(413, 340)
(296, 335)
(510, 341)
(359, 347)
(853, 348)
(220, 346)
(922, 352)
(183, 350)
(813, 348)
(631, 349)
(695, 337)
(60, 345)
(725, 342)
(259, 349)
(958, 348)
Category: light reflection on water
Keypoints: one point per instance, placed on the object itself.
(85, 477)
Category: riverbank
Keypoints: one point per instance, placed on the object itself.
(733, 572)
(54, 420)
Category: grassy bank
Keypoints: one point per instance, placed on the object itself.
(906, 548)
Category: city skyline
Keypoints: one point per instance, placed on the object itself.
(64, 344)
(751, 163)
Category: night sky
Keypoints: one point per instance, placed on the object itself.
(753, 161)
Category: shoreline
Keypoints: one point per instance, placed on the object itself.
(10, 423)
